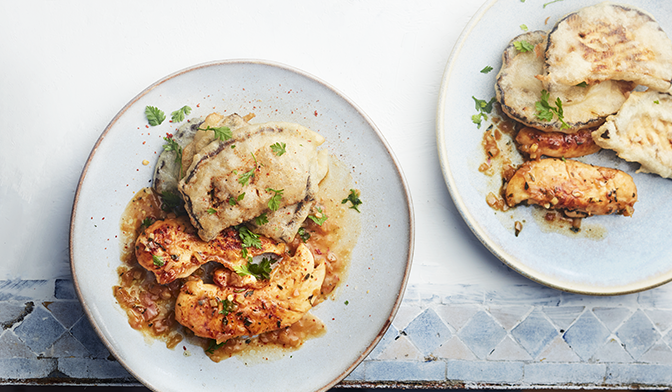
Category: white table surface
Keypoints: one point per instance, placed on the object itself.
(68, 67)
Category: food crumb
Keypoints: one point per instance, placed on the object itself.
(145, 162)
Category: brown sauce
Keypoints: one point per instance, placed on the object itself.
(150, 306)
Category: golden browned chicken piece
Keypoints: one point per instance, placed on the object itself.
(576, 188)
(172, 249)
(536, 143)
(222, 313)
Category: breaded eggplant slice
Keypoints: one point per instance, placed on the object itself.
(641, 132)
(518, 90)
(536, 143)
(608, 42)
(221, 313)
(234, 181)
(576, 188)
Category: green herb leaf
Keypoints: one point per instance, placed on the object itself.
(158, 261)
(554, 1)
(523, 27)
(171, 202)
(353, 198)
(657, 102)
(319, 220)
(274, 202)
(261, 219)
(484, 106)
(234, 200)
(278, 148)
(523, 46)
(211, 211)
(227, 307)
(146, 223)
(261, 271)
(179, 114)
(303, 234)
(154, 115)
(582, 84)
(546, 112)
(221, 133)
(487, 69)
(245, 177)
(213, 346)
(248, 238)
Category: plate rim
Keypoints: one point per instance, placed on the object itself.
(287, 68)
(475, 227)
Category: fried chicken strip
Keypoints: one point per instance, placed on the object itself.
(536, 143)
(221, 313)
(171, 249)
(576, 188)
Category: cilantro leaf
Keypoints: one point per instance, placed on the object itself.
(261, 219)
(523, 46)
(303, 234)
(234, 200)
(354, 199)
(248, 238)
(245, 177)
(278, 148)
(261, 271)
(487, 69)
(155, 116)
(178, 115)
(320, 220)
(274, 202)
(158, 261)
(546, 112)
(221, 133)
(211, 211)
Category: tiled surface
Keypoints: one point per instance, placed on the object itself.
(530, 338)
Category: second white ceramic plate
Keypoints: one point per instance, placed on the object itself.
(629, 254)
(365, 302)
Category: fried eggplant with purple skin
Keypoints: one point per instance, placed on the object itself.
(575, 188)
(222, 313)
(641, 132)
(536, 143)
(518, 91)
(608, 42)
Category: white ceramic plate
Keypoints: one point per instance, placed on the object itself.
(380, 262)
(630, 254)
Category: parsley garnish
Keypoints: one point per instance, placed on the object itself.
(523, 27)
(248, 238)
(213, 346)
(353, 198)
(582, 84)
(320, 220)
(245, 177)
(554, 1)
(158, 261)
(261, 271)
(545, 111)
(227, 307)
(171, 145)
(278, 148)
(523, 46)
(487, 69)
(211, 211)
(484, 108)
(303, 234)
(657, 102)
(261, 219)
(154, 115)
(146, 223)
(221, 133)
(274, 202)
(234, 200)
(178, 115)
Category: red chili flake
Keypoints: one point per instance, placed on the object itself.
(198, 105)
(144, 142)
(169, 135)
(316, 113)
(146, 126)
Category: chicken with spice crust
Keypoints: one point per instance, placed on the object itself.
(576, 188)
(223, 312)
(171, 248)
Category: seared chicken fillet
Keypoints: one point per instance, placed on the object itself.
(221, 313)
(536, 143)
(518, 91)
(576, 188)
(608, 42)
(171, 249)
(641, 132)
(234, 181)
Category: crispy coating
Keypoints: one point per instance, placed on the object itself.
(222, 313)
(536, 143)
(576, 188)
(178, 247)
